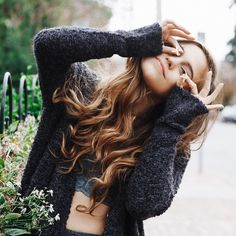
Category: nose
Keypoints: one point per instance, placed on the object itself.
(171, 61)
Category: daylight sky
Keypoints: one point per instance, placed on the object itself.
(213, 17)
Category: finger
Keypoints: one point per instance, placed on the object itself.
(180, 82)
(215, 106)
(169, 50)
(169, 27)
(216, 92)
(175, 32)
(207, 85)
(175, 43)
(192, 85)
(166, 30)
(177, 26)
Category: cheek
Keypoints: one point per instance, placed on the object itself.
(154, 79)
(172, 76)
(149, 70)
(151, 74)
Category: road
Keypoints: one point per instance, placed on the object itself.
(205, 204)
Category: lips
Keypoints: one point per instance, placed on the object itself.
(162, 67)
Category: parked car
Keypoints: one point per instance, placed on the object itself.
(228, 114)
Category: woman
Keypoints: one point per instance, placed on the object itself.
(129, 136)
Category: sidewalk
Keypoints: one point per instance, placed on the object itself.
(205, 205)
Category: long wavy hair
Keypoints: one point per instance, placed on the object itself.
(105, 127)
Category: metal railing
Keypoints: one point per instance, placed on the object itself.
(7, 90)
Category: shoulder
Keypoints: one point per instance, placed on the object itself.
(82, 78)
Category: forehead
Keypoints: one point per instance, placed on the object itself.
(197, 59)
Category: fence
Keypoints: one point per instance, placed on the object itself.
(7, 90)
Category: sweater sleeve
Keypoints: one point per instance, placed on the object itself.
(155, 180)
(56, 48)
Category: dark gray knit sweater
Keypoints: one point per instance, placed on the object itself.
(153, 183)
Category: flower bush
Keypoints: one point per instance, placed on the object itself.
(21, 215)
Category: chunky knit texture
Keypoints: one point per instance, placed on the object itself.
(153, 183)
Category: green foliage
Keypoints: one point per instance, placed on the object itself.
(21, 215)
(19, 21)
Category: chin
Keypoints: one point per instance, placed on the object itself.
(162, 93)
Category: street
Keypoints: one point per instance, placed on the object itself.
(205, 204)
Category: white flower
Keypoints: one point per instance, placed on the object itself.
(23, 210)
(50, 191)
(41, 194)
(36, 192)
(51, 208)
(57, 217)
(51, 220)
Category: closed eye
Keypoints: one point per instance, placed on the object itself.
(183, 71)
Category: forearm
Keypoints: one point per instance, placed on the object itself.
(157, 176)
(152, 185)
(57, 48)
(68, 44)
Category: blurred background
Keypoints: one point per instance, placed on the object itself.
(206, 201)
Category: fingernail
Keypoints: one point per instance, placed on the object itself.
(179, 49)
(175, 52)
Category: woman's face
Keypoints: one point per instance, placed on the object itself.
(161, 73)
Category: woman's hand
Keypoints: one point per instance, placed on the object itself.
(202, 95)
(170, 29)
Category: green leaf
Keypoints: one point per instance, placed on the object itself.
(2, 163)
(19, 158)
(14, 232)
(12, 216)
(2, 199)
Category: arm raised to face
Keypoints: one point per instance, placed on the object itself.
(57, 48)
